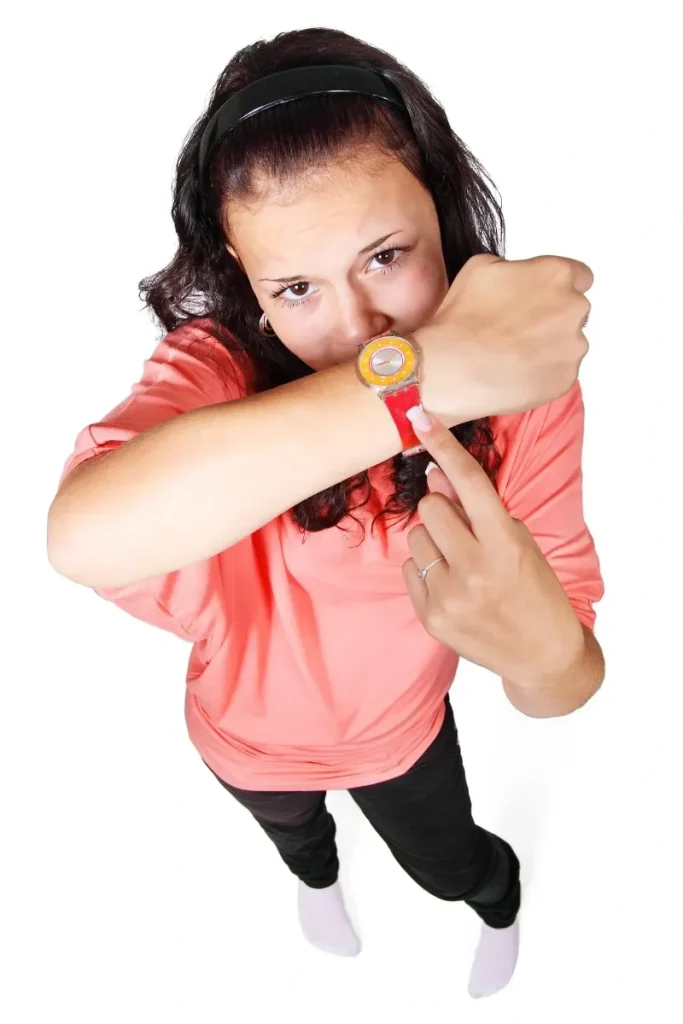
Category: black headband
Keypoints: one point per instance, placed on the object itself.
(284, 86)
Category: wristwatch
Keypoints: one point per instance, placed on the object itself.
(390, 365)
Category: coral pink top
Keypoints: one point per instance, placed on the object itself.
(309, 668)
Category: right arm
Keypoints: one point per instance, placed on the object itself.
(196, 484)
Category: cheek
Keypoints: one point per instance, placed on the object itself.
(418, 295)
(303, 340)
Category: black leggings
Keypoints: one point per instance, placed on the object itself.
(425, 818)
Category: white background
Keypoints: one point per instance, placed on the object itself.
(135, 888)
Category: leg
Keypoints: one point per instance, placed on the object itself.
(303, 832)
(300, 826)
(425, 818)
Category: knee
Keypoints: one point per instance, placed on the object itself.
(483, 872)
(292, 817)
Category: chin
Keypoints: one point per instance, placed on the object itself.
(312, 364)
(326, 364)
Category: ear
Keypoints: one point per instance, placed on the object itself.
(234, 255)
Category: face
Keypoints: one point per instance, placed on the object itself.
(336, 295)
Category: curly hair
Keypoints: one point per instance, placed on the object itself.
(204, 281)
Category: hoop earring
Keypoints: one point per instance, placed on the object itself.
(265, 327)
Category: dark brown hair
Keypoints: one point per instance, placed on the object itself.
(204, 281)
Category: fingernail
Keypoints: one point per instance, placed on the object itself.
(419, 418)
(430, 466)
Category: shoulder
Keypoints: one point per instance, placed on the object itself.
(189, 368)
(202, 352)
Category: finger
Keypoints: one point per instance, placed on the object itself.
(417, 589)
(423, 549)
(582, 275)
(438, 483)
(476, 493)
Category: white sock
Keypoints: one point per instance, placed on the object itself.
(324, 919)
(494, 960)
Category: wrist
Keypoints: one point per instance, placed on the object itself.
(444, 380)
(388, 365)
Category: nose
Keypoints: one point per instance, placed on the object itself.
(359, 321)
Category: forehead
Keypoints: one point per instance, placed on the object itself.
(349, 198)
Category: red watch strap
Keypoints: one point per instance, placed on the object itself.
(398, 403)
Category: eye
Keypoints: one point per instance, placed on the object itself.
(303, 299)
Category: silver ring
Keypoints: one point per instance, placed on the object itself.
(423, 572)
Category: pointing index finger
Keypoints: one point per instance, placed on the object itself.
(469, 479)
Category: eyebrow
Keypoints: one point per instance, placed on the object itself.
(303, 277)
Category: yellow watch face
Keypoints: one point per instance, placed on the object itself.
(385, 362)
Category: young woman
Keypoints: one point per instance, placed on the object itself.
(252, 492)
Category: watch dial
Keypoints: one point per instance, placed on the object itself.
(387, 362)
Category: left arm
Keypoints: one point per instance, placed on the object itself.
(566, 691)
(516, 573)
(546, 495)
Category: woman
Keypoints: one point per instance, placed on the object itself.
(251, 494)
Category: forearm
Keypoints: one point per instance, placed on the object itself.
(195, 485)
(567, 690)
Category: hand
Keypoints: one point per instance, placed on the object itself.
(494, 599)
(506, 338)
